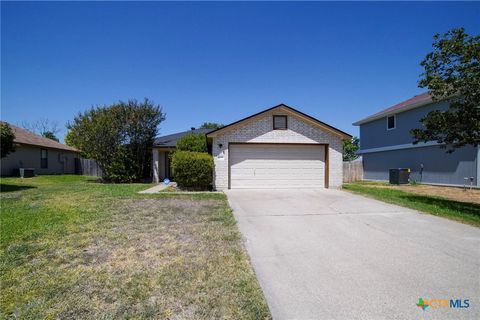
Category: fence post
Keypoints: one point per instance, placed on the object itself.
(353, 170)
(89, 167)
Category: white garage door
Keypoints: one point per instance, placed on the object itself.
(277, 166)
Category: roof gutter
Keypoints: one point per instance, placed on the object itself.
(45, 147)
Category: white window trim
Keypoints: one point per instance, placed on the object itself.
(394, 122)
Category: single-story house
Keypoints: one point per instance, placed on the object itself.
(44, 155)
(279, 147)
(386, 143)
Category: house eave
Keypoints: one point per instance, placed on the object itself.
(387, 114)
(46, 147)
(284, 108)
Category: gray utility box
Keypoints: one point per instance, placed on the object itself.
(27, 172)
(399, 176)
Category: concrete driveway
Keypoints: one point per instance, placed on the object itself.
(329, 254)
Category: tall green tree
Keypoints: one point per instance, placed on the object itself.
(119, 137)
(7, 139)
(211, 125)
(452, 73)
(350, 148)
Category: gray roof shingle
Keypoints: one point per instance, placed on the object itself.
(418, 100)
(23, 136)
(171, 139)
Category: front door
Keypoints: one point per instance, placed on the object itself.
(168, 166)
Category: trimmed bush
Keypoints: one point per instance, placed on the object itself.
(192, 169)
(192, 142)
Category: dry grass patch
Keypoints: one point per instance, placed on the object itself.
(107, 253)
(451, 203)
(452, 193)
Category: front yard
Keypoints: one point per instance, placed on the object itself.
(75, 248)
(449, 202)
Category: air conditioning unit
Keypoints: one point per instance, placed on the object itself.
(399, 176)
(27, 172)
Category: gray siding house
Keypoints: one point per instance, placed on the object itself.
(386, 143)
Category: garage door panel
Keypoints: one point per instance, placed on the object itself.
(277, 171)
(279, 184)
(287, 166)
(277, 166)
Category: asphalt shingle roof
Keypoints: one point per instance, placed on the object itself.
(171, 139)
(420, 99)
(23, 136)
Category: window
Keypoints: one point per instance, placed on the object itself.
(279, 122)
(391, 122)
(43, 158)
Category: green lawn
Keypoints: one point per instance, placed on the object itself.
(465, 212)
(72, 247)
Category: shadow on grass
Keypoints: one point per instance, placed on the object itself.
(472, 209)
(13, 187)
(96, 180)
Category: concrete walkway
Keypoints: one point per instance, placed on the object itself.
(329, 254)
(157, 188)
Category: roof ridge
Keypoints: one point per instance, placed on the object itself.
(412, 102)
(283, 105)
(24, 136)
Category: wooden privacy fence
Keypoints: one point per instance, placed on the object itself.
(87, 167)
(353, 170)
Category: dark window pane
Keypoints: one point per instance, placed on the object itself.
(391, 122)
(43, 158)
(279, 122)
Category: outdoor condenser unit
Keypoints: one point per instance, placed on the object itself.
(27, 172)
(399, 176)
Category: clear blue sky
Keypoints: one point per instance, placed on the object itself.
(218, 62)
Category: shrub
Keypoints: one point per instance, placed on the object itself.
(192, 169)
(119, 137)
(192, 142)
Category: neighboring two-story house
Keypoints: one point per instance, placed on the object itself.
(386, 143)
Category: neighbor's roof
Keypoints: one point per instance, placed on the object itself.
(171, 139)
(284, 107)
(23, 136)
(412, 103)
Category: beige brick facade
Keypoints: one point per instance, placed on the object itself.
(261, 130)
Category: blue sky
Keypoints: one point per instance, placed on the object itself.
(218, 62)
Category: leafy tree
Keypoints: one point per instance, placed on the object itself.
(350, 147)
(452, 73)
(192, 142)
(7, 139)
(211, 125)
(119, 137)
(50, 135)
